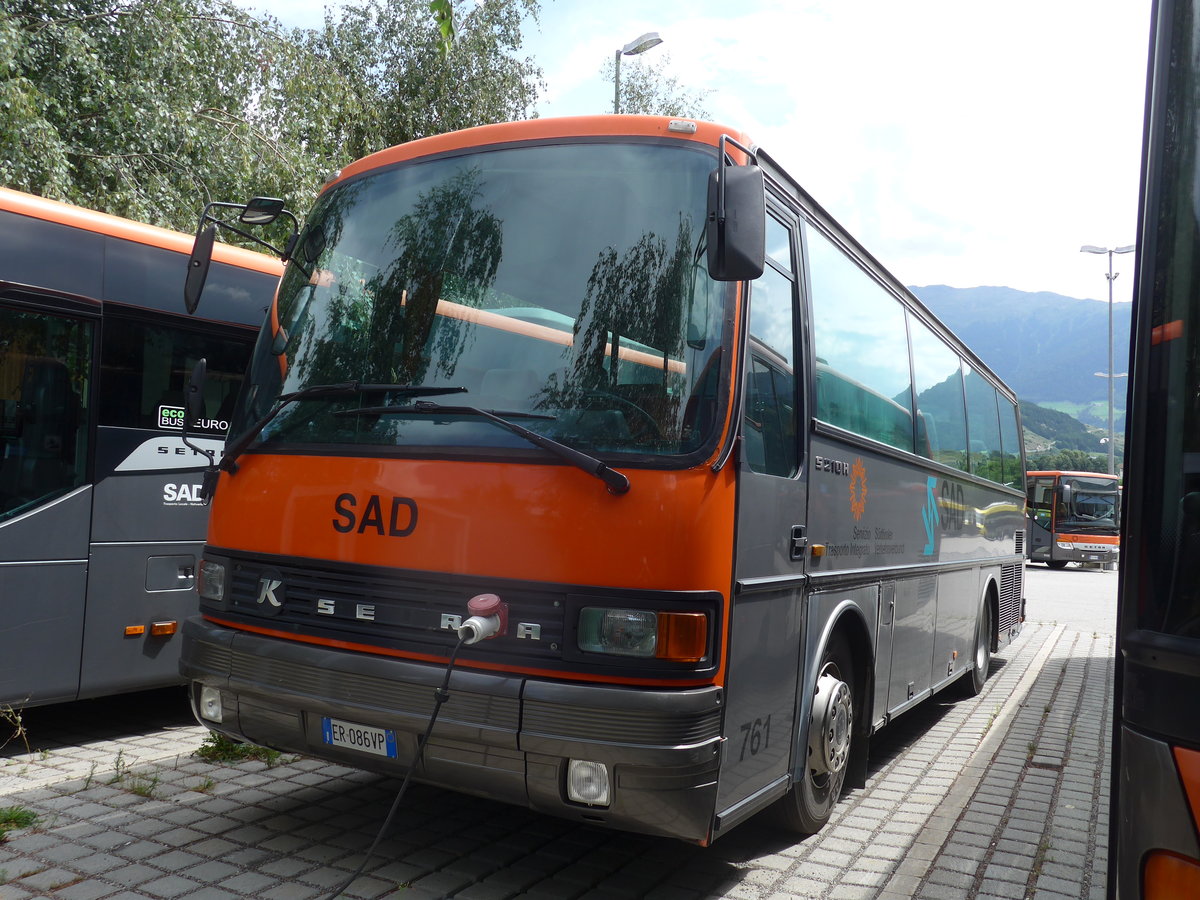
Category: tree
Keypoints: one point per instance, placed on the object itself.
(647, 89)
(391, 52)
(1067, 461)
(150, 108)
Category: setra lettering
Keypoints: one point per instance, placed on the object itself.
(401, 519)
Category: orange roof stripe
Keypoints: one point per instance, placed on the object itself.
(541, 129)
(127, 229)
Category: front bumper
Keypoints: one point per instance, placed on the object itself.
(507, 737)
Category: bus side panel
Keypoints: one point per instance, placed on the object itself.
(41, 600)
(1152, 812)
(954, 629)
(912, 643)
(141, 586)
(143, 572)
(764, 660)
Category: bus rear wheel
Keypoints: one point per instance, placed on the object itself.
(810, 802)
(973, 682)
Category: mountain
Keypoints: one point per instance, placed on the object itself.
(1048, 428)
(1045, 346)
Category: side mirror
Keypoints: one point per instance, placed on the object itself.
(737, 223)
(1066, 494)
(261, 211)
(193, 409)
(193, 401)
(197, 271)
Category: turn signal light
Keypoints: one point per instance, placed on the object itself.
(135, 630)
(163, 629)
(1166, 876)
(682, 636)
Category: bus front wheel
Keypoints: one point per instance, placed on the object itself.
(810, 802)
(1056, 563)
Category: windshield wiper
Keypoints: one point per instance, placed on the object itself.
(616, 482)
(313, 391)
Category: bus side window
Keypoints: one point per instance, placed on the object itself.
(769, 424)
(44, 448)
(770, 434)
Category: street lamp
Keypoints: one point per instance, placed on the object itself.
(1112, 439)
(633, 48)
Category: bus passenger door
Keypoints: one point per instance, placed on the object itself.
(765, 638)
(45, 506)
(149, 521)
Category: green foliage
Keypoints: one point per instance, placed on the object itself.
(1067, 460)
(443, 15)
(647, 89)
(150, 108)
(216, 748)
(13, 818)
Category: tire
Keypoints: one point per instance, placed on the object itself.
(1056, 563)
(829, 737)
(973, 682)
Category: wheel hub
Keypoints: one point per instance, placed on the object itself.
(829, 738)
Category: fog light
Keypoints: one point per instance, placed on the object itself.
(587, 782)
(210, 704)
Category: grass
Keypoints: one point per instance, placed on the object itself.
(13, 818)
(216, 748)
(1040, 858)
(142, 785)
(120, 768)
(10, 719)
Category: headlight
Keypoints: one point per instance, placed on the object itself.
(644, 633)
(210, 581)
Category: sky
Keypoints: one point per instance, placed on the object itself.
(961, 143)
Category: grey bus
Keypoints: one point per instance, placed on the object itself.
(100, 519)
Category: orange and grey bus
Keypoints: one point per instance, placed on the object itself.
(618, 396)
(1154, 848)
(100, 519)
(1073, 517)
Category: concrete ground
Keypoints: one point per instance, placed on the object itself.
(1003, 795)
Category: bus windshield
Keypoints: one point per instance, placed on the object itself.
(1094, 506)
(563, 286)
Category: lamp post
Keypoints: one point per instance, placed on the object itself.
(1129, 248)
(633, 48)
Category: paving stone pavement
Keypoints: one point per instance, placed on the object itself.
(1003, 795)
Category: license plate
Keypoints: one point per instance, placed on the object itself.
(363, 738)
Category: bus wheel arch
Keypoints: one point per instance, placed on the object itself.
(837, 733)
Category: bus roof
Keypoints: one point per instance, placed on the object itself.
(116, 226)
(707, 133)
